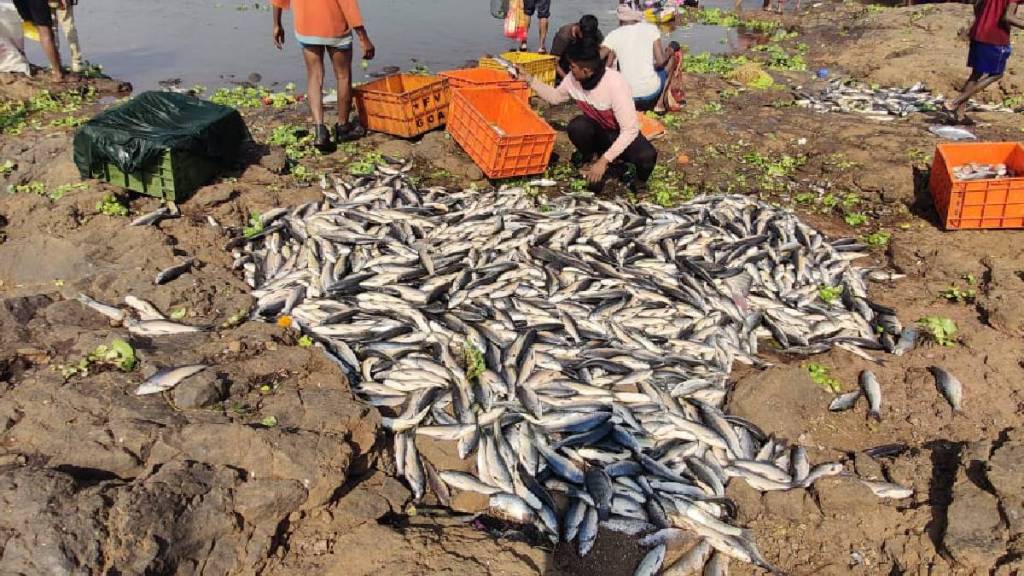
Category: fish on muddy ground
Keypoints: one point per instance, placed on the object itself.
(950, 387)
(154, 217)
(168, 378)
(873, 392)
(114, 313)
(581, 350)
(144, 309)
(159, 328)
(168, 274)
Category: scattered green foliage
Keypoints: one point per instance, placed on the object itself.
(269, 422)
(820, 376)
(779, 59)
(419, 69)
(118, 354)
(939, 329)
(7, 168)
(366, 164)
(772, 170)
(305, 342)
(297, 143)
(719, 17)
(666, 189)
(805, 197)
(255, 225)
(919, 157)
(254, 97)
(855, 218)
(178, 313)
(62, 190)
(111, 205)
(961, 295)
(829, 294)
(16, 114)
(474, 359)
(706, 63)
(879, 239)
(673, 121)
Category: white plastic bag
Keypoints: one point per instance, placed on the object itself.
(12, 43)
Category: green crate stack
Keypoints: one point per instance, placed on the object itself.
(174, 176)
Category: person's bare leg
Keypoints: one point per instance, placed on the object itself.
(974, 85)
(522, 45)
(543, 30)
(314, 57)
(341, 60)
(66, 18)
(49, 44)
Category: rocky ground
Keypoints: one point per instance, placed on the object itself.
(267, 463)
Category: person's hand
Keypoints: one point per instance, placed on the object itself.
(369, 50)
(595, 172)
(278, 36)
(523, 74)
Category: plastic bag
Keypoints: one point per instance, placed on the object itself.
(139, 131)
(515, 21)
(499, 8)
(12, 45)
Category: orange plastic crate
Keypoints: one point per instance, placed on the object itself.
(403, 105)
(500, 133)
(487, 78)
(976, 204)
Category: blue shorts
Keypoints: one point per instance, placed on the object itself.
(651, 98)
(988, 58)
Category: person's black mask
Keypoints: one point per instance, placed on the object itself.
(594, 80)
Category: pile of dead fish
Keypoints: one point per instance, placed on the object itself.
(578, 348)
(976, 171)
(878, 103)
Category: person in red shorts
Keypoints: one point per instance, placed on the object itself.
(989, 51)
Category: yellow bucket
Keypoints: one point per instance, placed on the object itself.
(659, 16)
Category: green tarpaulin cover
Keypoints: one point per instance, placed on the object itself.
(139, 131)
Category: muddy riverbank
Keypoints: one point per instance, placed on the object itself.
(268, 464)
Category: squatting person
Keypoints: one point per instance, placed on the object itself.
(327, 26)
(608, 130)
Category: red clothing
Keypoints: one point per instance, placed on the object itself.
(323, 18)
(988, 23)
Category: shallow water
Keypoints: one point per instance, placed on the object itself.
(214, 42)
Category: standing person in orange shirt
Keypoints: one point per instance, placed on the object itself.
(327, 26)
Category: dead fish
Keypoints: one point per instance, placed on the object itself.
(888, 489)
(145, 310)
(173, 272)
(153, 217)
(168, 378)
(873, 392)
(651, 562)
(542, 183)
(844, 402)
(115, 314)
(950, 387)
(907, 341)
(159, 328)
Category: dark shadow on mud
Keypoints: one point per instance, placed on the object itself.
(613, 554)
(945, 457)
(923, 205)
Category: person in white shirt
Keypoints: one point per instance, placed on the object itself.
(635, 46)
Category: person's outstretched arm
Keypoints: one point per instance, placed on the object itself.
(278, 29)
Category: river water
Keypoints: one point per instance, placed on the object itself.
(213, 42)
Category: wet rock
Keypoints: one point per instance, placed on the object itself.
(867, 467)
(211, 196)
(782, 400)
(433, 145)
(396, 149)
(974, 530)
(275, 161)
(840, 496)
(49, 525)
(748, 500)
(203, 389)
(793, 505)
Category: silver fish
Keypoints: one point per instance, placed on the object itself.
(168, 378)
(873, 392)
(950, 387)
(168, 274)
(111, 312)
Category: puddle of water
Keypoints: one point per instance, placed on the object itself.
(212, 42)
